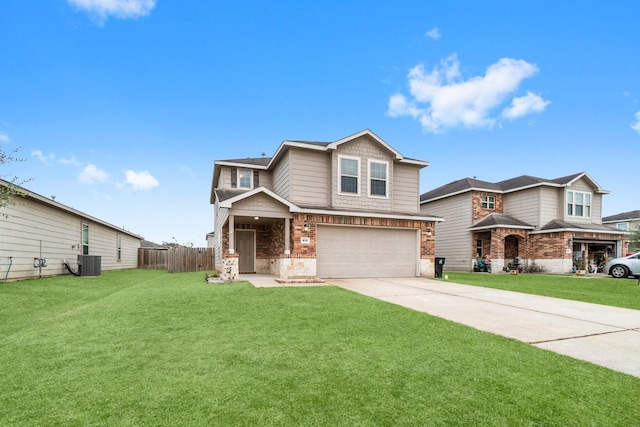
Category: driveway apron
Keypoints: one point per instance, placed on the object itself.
(603, 335)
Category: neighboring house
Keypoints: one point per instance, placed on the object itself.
(37, 227)
(627, 221)
(348, 208)
(554, 223)
(210, 239)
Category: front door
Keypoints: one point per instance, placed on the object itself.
(246, 247)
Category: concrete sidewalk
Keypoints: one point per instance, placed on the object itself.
(603, 335)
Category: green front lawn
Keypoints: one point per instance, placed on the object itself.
(595, 289)
(146, 347)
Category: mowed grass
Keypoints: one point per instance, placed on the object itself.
(149, 348)
(594, 289)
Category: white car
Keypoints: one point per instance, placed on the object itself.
(624, 267)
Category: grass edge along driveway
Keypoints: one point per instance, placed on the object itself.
(145, 347)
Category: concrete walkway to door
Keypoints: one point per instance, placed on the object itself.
(603, 335)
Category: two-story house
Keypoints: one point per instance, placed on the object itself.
(554, 223)
(348, 208)
(626, 221)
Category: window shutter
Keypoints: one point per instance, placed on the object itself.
(256, 179)
(234, 178)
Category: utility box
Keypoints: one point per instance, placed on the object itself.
(89, 265)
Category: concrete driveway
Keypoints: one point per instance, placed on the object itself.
(606, 336)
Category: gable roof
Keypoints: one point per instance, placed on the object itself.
(559, 225)
(518, 183)
(57, 205)
(625, 216)
(232, 196)
(497, 220)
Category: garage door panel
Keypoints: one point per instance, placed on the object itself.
(366, 252)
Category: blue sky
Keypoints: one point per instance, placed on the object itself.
(120, 107)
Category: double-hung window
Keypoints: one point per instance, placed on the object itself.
(488, 202)
(244, 178)
(349, 173)
(378, 178)
(579, 204)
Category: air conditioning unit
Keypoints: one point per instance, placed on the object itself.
(89, 265)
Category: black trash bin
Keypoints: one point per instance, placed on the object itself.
(439, 267)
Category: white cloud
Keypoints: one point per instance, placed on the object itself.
(531, 103)
(123, 9)
(91, 174)
(442, 99)
(433, 33)
(4, 137)
(636, 125)
(141, 181)
(71, 161)
(44, 158)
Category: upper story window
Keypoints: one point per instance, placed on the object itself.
(349, 173)
(378, 173)
(244, 178)
(624, 226)
(488, 202)
(579, 204)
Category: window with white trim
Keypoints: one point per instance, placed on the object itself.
(478, 248)
(378, 173)
(349, 173)
(244, 178)
(624, 226)
(579, 204)
(85, 239)
(488, 202)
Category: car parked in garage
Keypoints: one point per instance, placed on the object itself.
(623, 267)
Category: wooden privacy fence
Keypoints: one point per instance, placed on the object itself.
(176, 260)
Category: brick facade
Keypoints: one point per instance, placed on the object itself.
(478, 212)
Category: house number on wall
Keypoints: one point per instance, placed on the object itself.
(305, 240)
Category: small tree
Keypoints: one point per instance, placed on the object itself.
(10, 185)
(634, 240)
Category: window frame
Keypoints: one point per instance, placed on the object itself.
(357, 176)
(118, 248)
(486, 204)
(250, 173)
(622, 226)
(386, 179)
(572, 205)
(84, 239)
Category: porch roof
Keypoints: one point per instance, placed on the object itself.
(496, 220)
(558, 225)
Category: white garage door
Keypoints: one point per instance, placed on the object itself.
(366, 252)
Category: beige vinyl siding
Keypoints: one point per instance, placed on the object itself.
(524, 205)
(406, 180)
(265, 178)
(282, 177)
(364, 149)
(596, 205)
(453, 238)
(261, 205)
(551, 204)
(309, 177)
(34, 229)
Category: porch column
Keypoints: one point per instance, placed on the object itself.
(232, 235)
(287, 237)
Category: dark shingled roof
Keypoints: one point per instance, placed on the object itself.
(501, 220)
(557, 224)
(631, 215)
(459, 186)
(510, 184)
(258, 161)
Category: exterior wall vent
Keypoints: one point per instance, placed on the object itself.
(89, 265)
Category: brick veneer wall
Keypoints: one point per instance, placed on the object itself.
(427, 231)
(478, 212)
